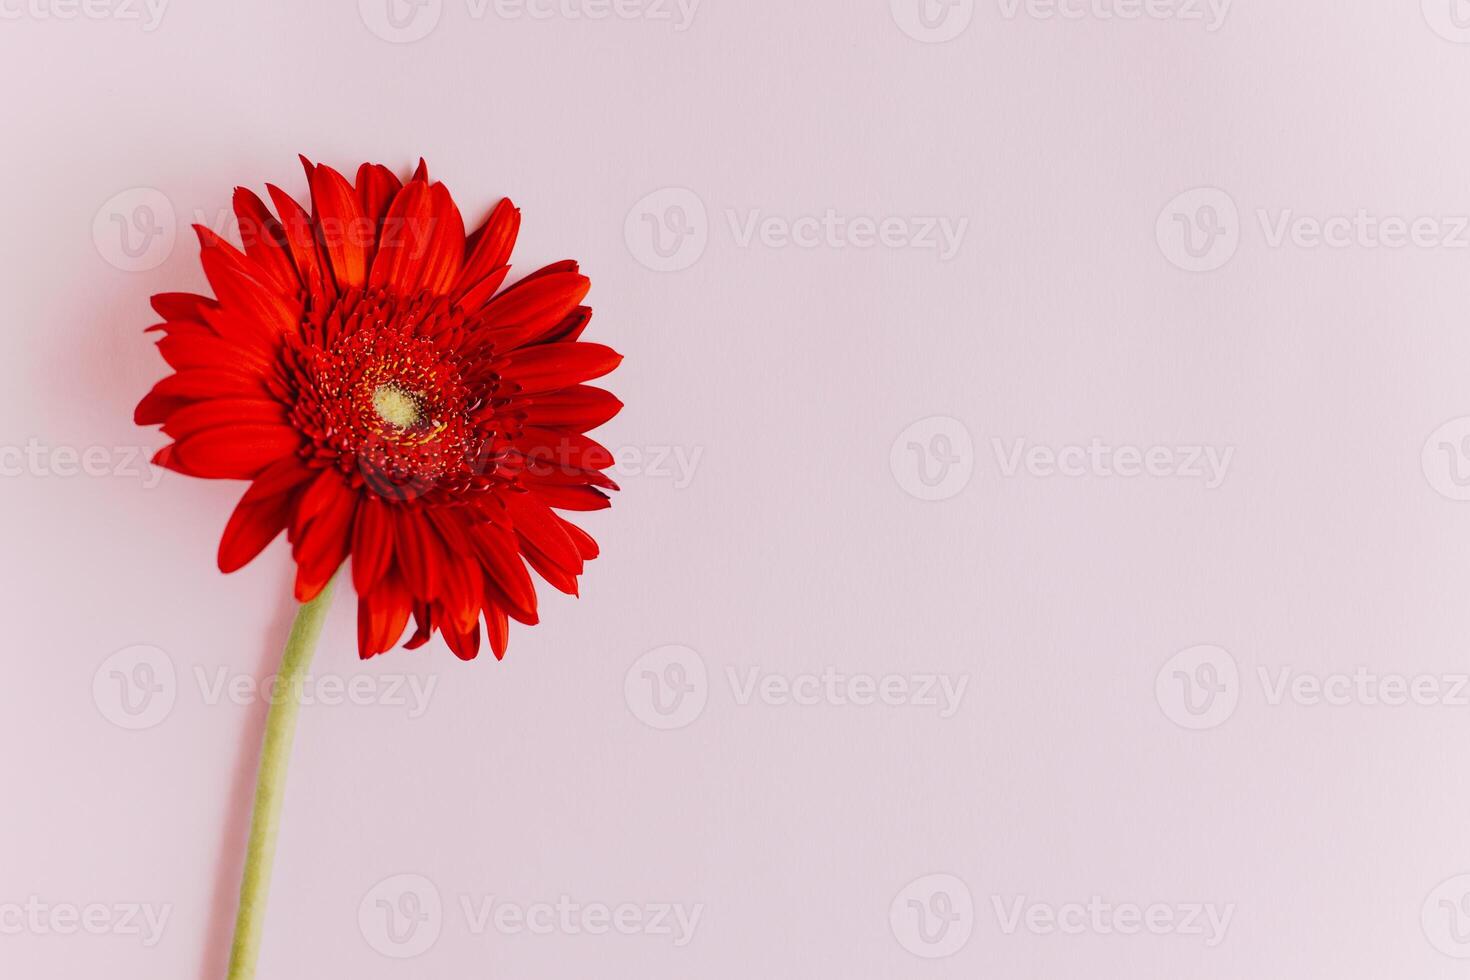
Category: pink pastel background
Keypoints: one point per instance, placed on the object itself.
(798, 542)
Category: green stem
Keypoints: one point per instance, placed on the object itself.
(270, 784)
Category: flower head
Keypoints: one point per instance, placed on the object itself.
(362, 366)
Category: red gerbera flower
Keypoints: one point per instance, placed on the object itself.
(358, 364)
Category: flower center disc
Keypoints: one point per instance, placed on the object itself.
(396, 406)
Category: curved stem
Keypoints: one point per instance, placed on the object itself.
(270, 784)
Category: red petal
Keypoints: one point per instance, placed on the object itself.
(560, 578)
(559, 453)
(376, 187)
(483, 291)
(372, 545)
(265, 241)
(321, 547)
(498, 630)
(533, 307)
(301, 238)
(410, 541)
(461, 571)
(465, 644)
(251, 527)
(490, 246)
(586, 546)
(407, 229)
(261, 514)
(218, 413)
(156, 408)
(551, 366)
(182, 306)
(536, 525)
(238, 452)
(568, 330)
(250, 312)
(579, 408)
(499, 554)
(445, 252)
(555, 268)
(573, 498)
(191, 345)
(346, 233)
(209, 383)
(381, 616)
(423, 616)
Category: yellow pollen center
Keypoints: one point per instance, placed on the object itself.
(396, 406)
